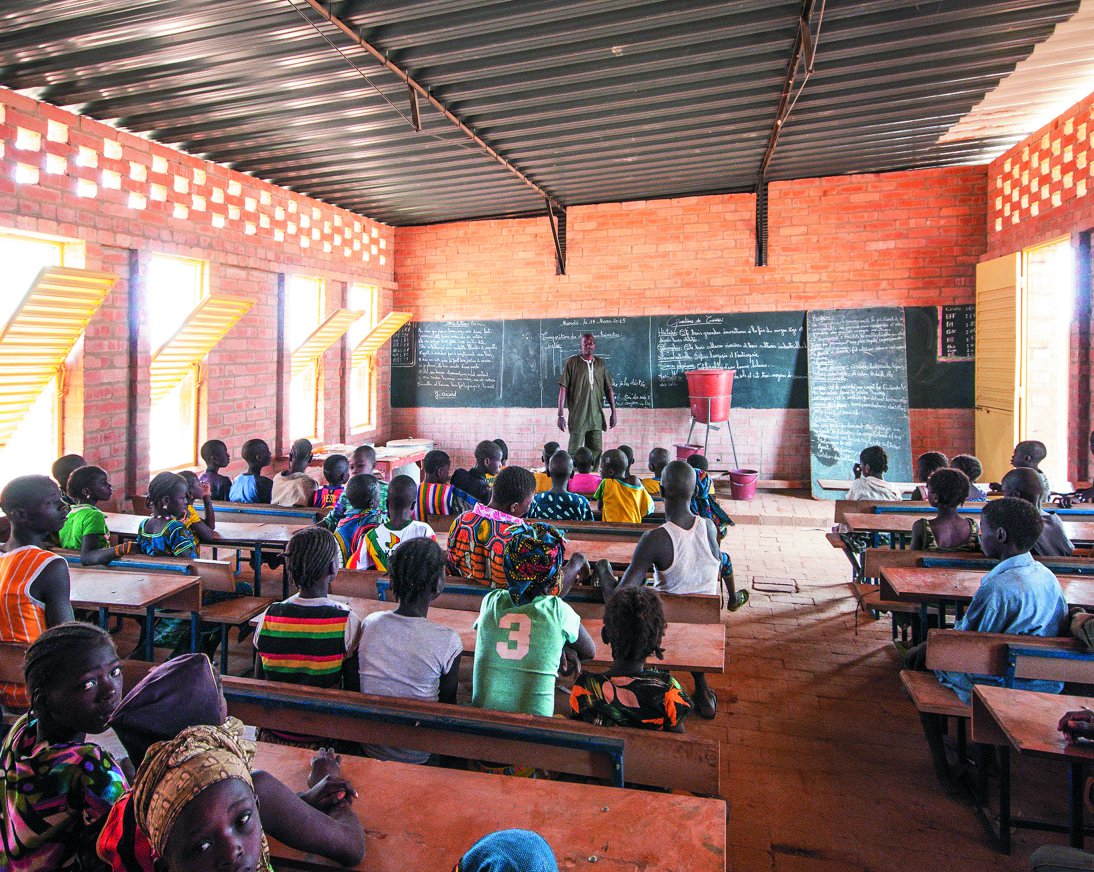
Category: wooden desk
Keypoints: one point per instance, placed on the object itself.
(688, 647)
(405, 829)
(247, 537)
(1025, 721)
(109, 591)
(1079, 532)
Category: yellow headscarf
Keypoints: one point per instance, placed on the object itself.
(175, 772)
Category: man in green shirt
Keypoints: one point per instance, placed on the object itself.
(583, 386)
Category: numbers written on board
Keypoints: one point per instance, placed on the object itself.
(519, 641)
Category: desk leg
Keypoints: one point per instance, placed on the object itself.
(224, 649)
(195, 630)
(284, 578)
(258, 570)
(104, 618)
(1075, 819)
(1004, 799)
(923, 623)
(149, 627)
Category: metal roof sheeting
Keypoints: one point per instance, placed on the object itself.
(594, 100)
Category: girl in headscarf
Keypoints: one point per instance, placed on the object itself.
(194, 798)
(57, 787)
(524, 629)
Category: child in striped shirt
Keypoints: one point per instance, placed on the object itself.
(435, 495)
(309, 638)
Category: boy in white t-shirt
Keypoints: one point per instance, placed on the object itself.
(404, 654)
(376, 545)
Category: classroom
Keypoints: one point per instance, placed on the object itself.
(511, 435)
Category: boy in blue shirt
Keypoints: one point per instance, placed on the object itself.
(1019, 596)
(558, 503)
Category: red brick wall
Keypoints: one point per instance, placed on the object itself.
(1042, 189)
(908, 238)
(149, 198)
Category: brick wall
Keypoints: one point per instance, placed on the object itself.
(125, 197)
(1042, 189)
(909, 238)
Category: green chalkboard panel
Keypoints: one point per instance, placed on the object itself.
(933, 382)
(449, 363)
(858, 391)
(624, 343)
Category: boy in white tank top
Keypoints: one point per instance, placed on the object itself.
(685, 558)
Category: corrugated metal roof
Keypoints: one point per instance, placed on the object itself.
(595, 100)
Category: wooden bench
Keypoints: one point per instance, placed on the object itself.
(675, 761)
(464, 595)
(1004, 656)
(579, 529)
(658, 759)
(248, 513)
(216, 575)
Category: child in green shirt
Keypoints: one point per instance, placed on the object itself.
(526, 633)
(85, 526)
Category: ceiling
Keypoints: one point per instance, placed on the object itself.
(594, 100)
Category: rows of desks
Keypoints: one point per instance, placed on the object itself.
(1079, 532)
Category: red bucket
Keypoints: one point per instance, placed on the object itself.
(684, 451)
(709, 393)
(742, 483)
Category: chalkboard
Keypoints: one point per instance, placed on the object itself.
(957, 333)
(858, 391)
(624, 343)
(767, 350)
(516, 364)
(934, 383)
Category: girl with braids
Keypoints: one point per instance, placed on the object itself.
(309, 638)
(403, 653)
(57, 787)
(630, 694)
(164, 534)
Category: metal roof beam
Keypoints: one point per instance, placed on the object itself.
(423, 91)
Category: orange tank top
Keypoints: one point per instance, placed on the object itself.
(22, 618)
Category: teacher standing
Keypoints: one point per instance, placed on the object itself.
(583, 387)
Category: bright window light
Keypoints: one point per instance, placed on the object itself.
(362, 298)
(173, 288)
(303, 313)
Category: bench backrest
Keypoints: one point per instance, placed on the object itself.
(876, 558)
(1009, 656)
(215, 574)
(586, 600)
(248, 513)
(671, 760)
(583, 529)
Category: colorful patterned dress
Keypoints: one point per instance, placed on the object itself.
(476, 544)
(651, 700)
(54, 800)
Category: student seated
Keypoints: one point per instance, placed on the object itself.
(869, 483)
(362, 462)
(293, 486)
(704, 503)
(252, 486)
(164, 534)
(628, 452)
(657, 461)
(34, 585)
(85, 529)
(559, 504)
(543, 479)
(476, 481)
(926, 465)
(631, 694)
(59, 787)
(62, 468)
(403, 653)
(435, 495)
(185, 693)
(525, 630)
(309, 638)
(685, 558)
(585, 481)
(376, 543)
(1029, 454)
(203, 525)
(336, 474)
(1026, 484)
(504, 458)
(215, 455)
(947, 530)
(1018, 596)
(362, 499)
(509, 851)
(477, 538)
(972, 468)
(622, 499)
